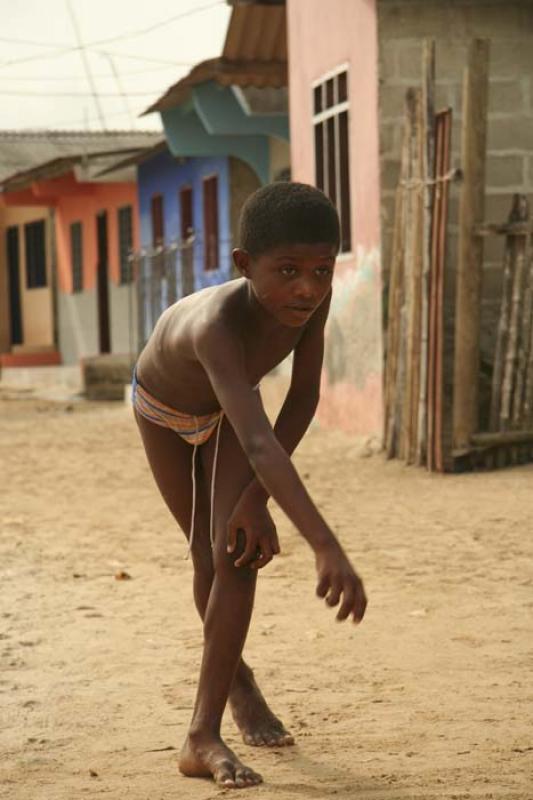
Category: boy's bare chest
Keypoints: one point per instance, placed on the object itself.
(264, 353)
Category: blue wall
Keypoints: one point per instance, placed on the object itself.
(163, 175)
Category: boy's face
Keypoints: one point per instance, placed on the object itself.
(290, 281)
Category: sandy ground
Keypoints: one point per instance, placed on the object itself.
(429, 698)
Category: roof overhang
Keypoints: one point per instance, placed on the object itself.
(82, 163)
(254, 55)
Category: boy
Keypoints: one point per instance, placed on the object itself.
(196, 378)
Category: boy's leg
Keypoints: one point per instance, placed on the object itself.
(170, 459)
(226, 622)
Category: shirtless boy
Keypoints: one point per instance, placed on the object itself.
(216, 458)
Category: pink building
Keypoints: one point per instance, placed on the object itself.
(333, 87)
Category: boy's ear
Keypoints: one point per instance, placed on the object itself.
(241, 259)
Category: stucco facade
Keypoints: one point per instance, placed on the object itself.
(72, 319)
(322, 38)
(37, 303)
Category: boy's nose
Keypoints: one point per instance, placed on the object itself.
(304, 290)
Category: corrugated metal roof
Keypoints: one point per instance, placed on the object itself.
(24, 151)
(254, 55)
(256, 33)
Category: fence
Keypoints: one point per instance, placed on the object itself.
(434, 409)
(161, 276)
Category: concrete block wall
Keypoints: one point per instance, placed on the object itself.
(402, 26)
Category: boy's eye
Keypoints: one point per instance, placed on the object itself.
(288, 271)
(323, 271)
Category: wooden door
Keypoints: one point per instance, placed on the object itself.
(103, 283)
(13, 268)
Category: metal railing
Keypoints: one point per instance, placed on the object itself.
(162, 275)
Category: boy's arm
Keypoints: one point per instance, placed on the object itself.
(222, 356)
(302, 398)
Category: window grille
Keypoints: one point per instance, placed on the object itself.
(332, 161)
(211, 223)
(76, 256)
(34, 239)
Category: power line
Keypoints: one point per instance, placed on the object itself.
(86, 64)
(44, 95)
(100, 75)
(120, 37)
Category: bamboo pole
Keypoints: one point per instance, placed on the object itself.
(528, 393)
(442, 221)
(428, 172)
(395, 333)
(509, 366)
(414, 287)
(503, 322)
(393, 326)
(403, 406)
(471, 208)
(525, 336)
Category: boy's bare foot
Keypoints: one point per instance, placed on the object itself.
(205, 756)
(258, 725)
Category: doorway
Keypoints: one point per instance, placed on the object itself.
(13, 268)
(102, 272)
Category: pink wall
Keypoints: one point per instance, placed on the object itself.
(323, 36)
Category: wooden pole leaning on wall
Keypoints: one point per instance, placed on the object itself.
(428, 174)
(413, 283)
(470, 261)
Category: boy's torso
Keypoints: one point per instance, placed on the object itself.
(168, 367)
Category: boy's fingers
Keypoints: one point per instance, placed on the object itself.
(249, 552)
(322, 586)
(231, 539)
(360, 606)
(334, 596)
(348, 603)
(274, 543)
(265, 556)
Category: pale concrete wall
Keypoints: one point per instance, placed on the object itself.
(78, 325)
(323, 37)
(243, 181)
(280, 157)
(36, 303)
(402, 25)
(123, 305)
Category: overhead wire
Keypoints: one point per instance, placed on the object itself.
(121, 37)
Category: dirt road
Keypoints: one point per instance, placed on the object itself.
(429, 698)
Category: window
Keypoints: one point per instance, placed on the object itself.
(186, 226)
(332, 162)
(34, 239)
(158, 227)
(211, 223)
(76, 256)
(125, 242)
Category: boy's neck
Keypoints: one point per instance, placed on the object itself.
(258, 316)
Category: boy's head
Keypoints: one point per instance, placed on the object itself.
(287, 213)
(289, 239)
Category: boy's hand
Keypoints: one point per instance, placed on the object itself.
(253, 518)
(337, 577)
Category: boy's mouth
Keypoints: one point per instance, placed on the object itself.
(302, 309)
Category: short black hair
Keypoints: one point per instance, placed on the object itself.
(287, 212)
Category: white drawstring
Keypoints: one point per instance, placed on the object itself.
(191, 532)
(213, 476)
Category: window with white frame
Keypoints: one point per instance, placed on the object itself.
(332, 158)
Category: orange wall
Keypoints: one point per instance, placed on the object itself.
(84, 208)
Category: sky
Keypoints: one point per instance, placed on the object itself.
(132, 50)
